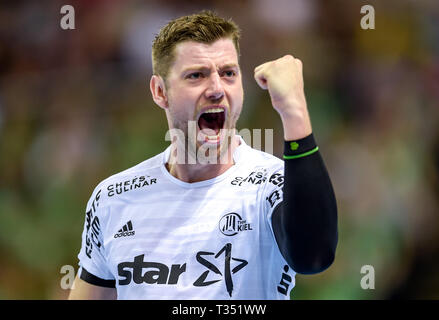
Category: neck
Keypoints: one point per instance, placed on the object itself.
(198, 172)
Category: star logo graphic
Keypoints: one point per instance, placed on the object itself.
(227, 273)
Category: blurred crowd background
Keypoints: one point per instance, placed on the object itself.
(75, 107)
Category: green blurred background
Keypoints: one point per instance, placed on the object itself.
(75, 107)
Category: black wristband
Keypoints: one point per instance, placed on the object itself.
(300, 148)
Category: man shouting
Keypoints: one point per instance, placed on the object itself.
(179, 226)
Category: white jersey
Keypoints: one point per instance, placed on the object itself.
(158, 237)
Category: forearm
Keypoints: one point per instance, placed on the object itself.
(296, 122)
(305, 223)
(85, 291)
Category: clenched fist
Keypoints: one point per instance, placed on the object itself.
(283, 79)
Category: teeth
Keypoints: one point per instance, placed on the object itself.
(212, 137)
(214, 110)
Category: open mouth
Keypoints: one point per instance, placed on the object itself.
(211, 122)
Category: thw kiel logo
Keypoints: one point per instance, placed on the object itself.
(126, 231)
(232, 223)
(227, 250)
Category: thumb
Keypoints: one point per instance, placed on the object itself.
(261, 80)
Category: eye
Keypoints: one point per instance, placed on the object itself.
(229, 73)
(195, 75)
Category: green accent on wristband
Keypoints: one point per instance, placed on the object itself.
(294, 146)
(302, 154)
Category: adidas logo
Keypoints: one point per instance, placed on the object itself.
(126, 231)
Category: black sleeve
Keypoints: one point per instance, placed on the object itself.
(92, 279)
(305, 223)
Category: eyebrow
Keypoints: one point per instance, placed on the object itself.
(229, 66)
(203, 67)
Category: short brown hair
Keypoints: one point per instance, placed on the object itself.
(205, 27)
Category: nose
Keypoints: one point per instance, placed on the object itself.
(215, 90)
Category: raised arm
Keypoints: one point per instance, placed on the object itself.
(305, 223)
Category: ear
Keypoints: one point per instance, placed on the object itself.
(158, 91)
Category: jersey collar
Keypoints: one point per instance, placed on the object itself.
(238, 155)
